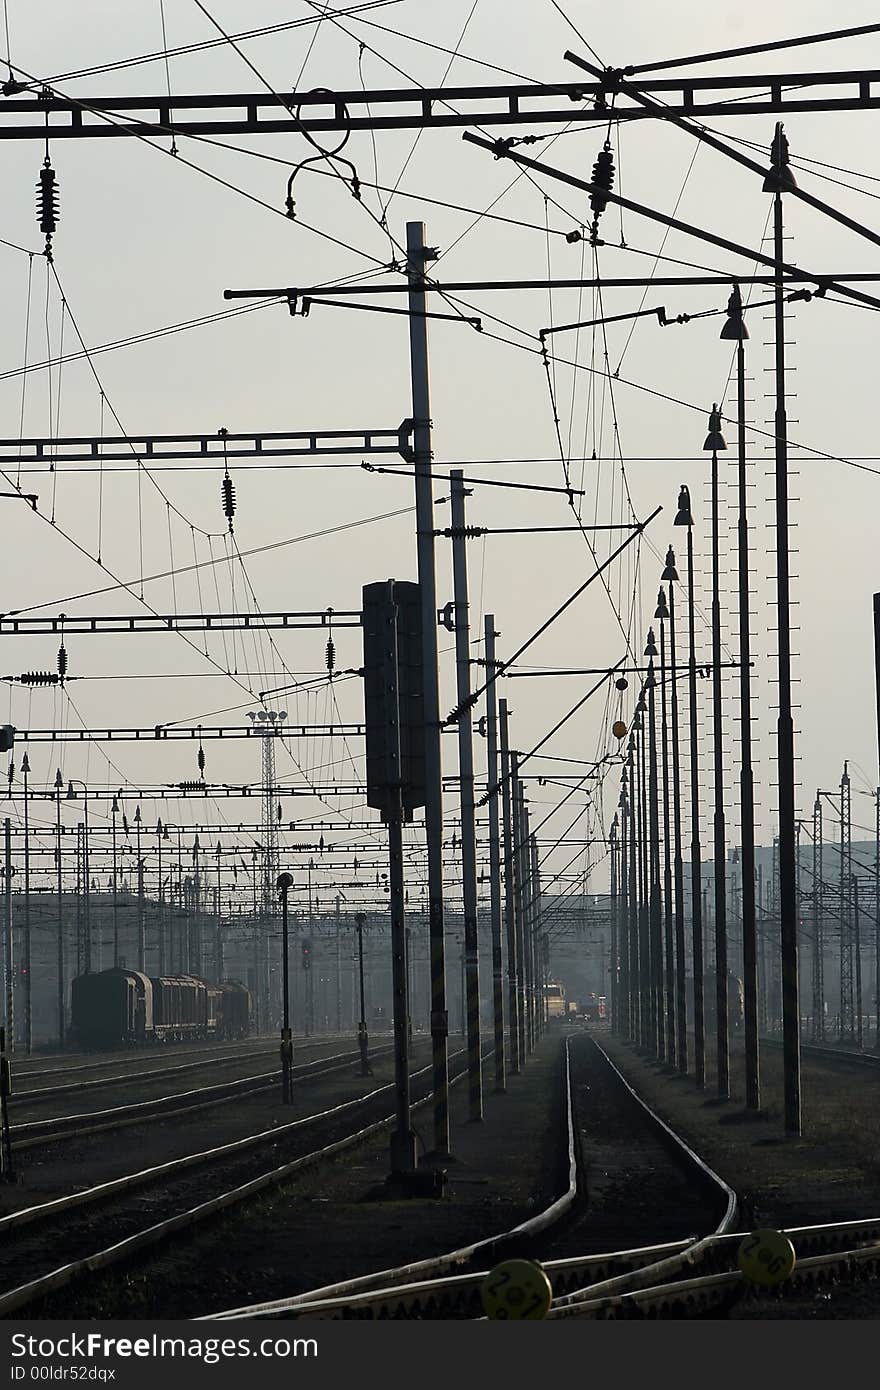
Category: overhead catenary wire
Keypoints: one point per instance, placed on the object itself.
(203, 564)
(181, 50)
(172, 570)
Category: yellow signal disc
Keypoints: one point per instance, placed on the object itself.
(766, 1257)
(516, 1289)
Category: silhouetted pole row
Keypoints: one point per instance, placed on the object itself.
(670, 578)
(513, 1015)
(494, 854)
(661, 614)
(466, 786)
(734, 330)
(655, 906)
(684, 517)
(714, 442)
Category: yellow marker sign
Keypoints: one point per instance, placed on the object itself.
(766, 1257)
(517, 1289)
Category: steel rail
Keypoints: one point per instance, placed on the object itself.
(696, 1295)
(693, 1251)
(38, 1093)
(66, 1274)
(24, 1069)
(359, 1292)
(100, 1192)
(371, 1296)
(40, 1133)
(831, 1054)
(459, 1296)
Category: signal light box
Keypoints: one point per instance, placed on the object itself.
(385, 603)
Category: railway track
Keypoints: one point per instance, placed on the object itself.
(33, 1133)
(714, 1282)
(33, 1095)
(125, 1206)
(449, 1285)
(821, 1052)
(679, 1278)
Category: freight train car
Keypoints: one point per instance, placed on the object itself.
(121, 1008)
(180, 1008)
(112, 1009)
(235, 1011)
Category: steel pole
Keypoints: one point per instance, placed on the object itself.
(80, 943)
(87, 888)
(669, 940)
(528, 924)
(785, 727)
(519, 905)
(509, 903)
(624, 1029)
(60, 889)
(8, 962)
(877, 923)
(538, 940)
(678, 864)
(722, 1039)
(403, 1152)
(489, 635)
(746, 776)
(26, 944)
(363, 1038)
(857, 948)
(113, 815)
(338, 968)
(286, 1034)
(635, 1025)
(161, 901)
(466, 787)
(142, 942)
(418, 254)
(696, 864)
(818, 924)
(403, 1145)
(655, 908)
(614, 872)
(646, 982)
(218, 948)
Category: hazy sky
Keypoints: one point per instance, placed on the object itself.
(146, 240)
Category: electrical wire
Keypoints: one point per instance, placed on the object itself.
(203, 45)
(203, 564)
(421, 130)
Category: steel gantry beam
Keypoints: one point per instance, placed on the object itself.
(201, 731)
(64, 624)
(34, 117)
(220, 446)
(151, 733)
(301, 827)
(216, 790)
(190, 790)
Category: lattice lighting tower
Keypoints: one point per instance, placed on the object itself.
(271, 722)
